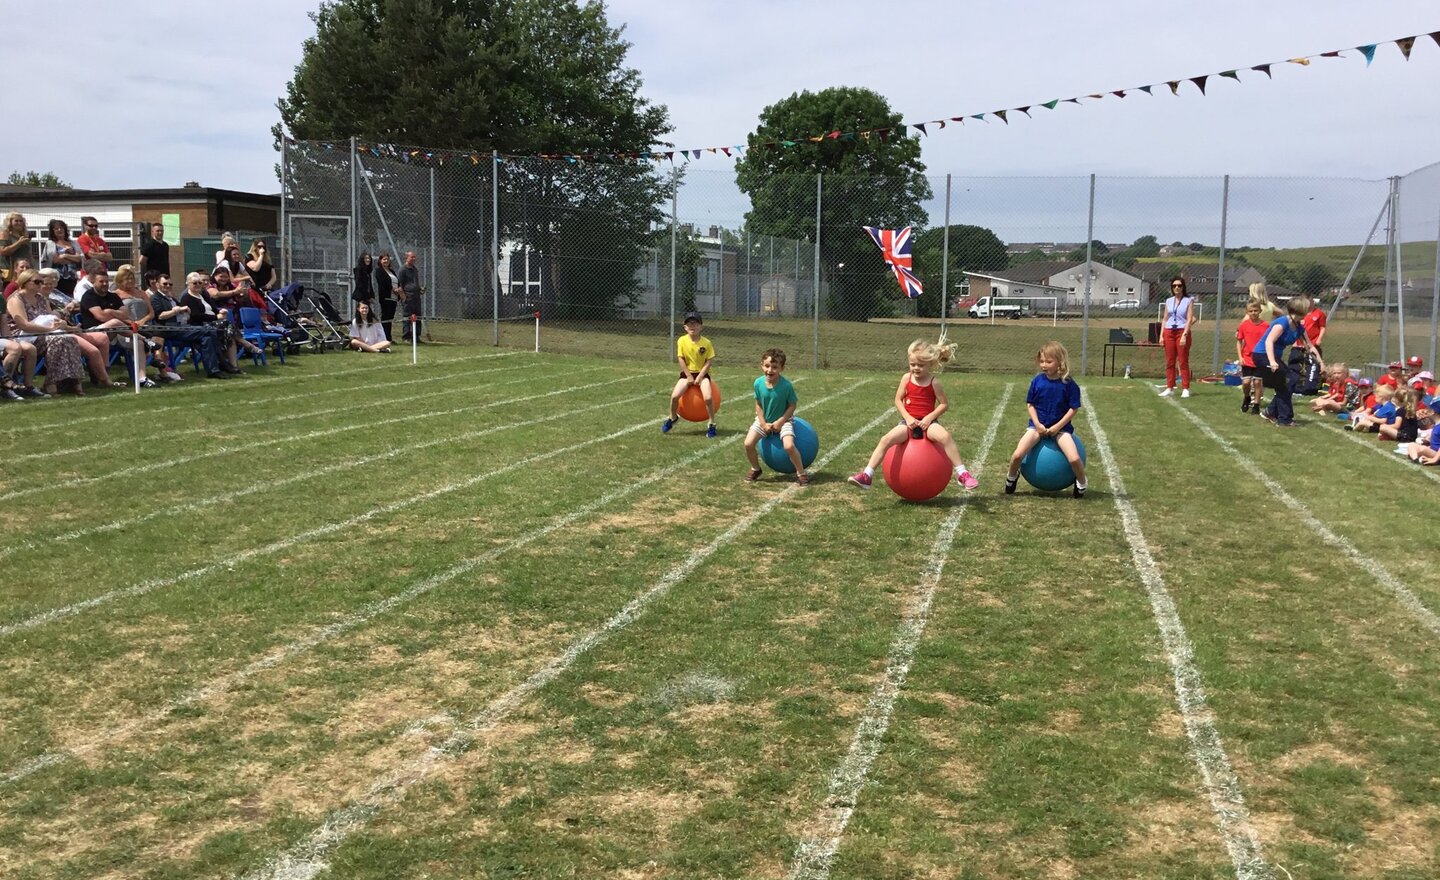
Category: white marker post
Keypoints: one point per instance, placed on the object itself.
(414, 342)
(537, 331)
(137, 366)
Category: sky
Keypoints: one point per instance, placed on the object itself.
(181, 111)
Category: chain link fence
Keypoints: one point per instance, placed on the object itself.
(606, 259)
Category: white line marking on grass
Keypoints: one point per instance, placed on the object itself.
(131, 418)
(299, 438)
(1222, 786)
(248, 382)
(1383, 451)
(112, 441)
(814, 855)
(227, 682)
(144, 587)
(307, 859)
(1367, 565)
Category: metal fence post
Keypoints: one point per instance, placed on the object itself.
(1435, 301)
(1389, 256)
(284, 187)
(674, 235)
(354, 205)
(1089, 279)
(945, 259)
(430, 312)
(819, 189)
(1399, 273)
(1220, 279)
(495, 242)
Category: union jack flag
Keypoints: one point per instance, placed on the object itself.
(895, 248)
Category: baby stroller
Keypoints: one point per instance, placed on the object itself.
(310, 315)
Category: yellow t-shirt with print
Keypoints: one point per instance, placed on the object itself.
(696, 353)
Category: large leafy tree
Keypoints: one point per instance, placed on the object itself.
(971, 249)
(875, 180)
(46, 179)
(517, 76)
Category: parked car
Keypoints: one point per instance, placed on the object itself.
(1125, 305)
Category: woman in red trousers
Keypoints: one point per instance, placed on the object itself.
(1175, 334)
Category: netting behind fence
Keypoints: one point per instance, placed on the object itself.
(611, 256)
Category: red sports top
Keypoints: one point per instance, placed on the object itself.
(1314, 321)
(1249, 334)
(919, 399)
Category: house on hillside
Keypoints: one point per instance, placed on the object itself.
(1063, 279)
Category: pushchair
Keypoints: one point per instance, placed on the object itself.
(310, 315)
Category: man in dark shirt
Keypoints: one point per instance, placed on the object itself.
(101, 307)
(155, 253)
(410, 284)
(174, 318)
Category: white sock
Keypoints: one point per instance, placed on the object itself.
(1081, 485)
(869, 472)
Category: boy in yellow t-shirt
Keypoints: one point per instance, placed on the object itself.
(695, 354)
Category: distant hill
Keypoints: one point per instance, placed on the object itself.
(1418, 257)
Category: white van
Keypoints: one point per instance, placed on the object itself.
(1000, 307)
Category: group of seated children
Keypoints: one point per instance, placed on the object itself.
(1400, 406)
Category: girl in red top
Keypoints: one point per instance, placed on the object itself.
(1247, 336)
(1333, 400)
(921, 401)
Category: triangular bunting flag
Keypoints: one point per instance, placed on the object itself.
(1368, 52)
(1001, 114)
(816, 139)
(1097, 96)
(977, 116)
(848, 136)
(1335, 54)
(1050, 105)
(1072, 100)
(1025, 109)
(884, 133)
(1235, 75)
(1199, 82)
(1174, 85)
(725, 150)
(739, 149)
(788, 143)
(1263, 68)
(697, 154)
(834, 135)
(1119, 94)
(1435, 35)
(941, 123)
(1405, 44)
(1303, 62)
(1146, 90)
(670, 155)
(921, 127)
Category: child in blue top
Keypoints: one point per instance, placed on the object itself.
(1269, 358)
(1053, 400)
(775, 402)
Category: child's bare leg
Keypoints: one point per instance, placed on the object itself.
(1389, 432)
(1027, 442)
(894, 436)
(788, 441)
(707, 392)
(675, 395)
(1066, 442)
(752, 443)
(940, 435)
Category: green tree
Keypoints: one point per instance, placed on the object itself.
(972, 249)
(517, 76)
(1098, 249)
(46, 179)
(1314, 278)
(868, 181)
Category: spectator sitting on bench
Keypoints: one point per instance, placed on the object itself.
(136, 303)
(94, 347)
(211, 317)
(175, 318)
(102, 309)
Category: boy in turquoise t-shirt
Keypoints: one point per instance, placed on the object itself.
(775, 402)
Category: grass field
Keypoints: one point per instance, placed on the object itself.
(479, 618)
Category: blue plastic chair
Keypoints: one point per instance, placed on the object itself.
(252, 328)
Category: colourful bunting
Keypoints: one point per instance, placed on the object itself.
(418, 155)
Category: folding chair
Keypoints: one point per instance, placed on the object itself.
(252, 328)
